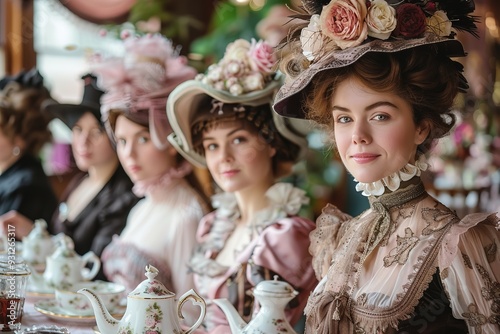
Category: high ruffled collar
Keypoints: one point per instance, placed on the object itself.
(142, 188)
(393, 182)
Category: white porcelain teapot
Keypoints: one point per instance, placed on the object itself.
(37, 245)
(151, 308)
(65, 267)
(273, 296)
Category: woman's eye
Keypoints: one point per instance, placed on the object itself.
(142, 140)
(381, 117)
(210, 147)
(343, 119)
(77, 129)
(239, 140)
(121, 142)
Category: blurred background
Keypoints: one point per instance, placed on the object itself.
(57, 37)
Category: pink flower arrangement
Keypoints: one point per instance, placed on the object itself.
(344, 24)
(261, 56)
(343, 21)
(245, 67)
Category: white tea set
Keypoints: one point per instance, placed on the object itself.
(55, 255)
(152, 308)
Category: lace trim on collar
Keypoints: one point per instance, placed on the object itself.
(284, 200)
(144, 187)
(393, 182)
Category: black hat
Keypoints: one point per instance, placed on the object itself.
(71, 113)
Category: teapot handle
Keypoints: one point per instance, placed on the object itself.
(90, 257)
(197, 300)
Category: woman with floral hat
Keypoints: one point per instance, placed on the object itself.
(224, 121)
(161, 228)
(380, 80)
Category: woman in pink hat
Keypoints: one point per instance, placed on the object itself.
(379, 78)
(161, 228)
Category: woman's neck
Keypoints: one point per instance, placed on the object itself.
(252, 200)
(102, 173)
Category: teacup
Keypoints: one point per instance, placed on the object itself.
(77, 304)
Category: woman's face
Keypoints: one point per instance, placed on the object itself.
(140, 158)
(90, 143)
(374, 131)
(237, 158)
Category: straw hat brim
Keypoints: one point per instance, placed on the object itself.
(184, 99)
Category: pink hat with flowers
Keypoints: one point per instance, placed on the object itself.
(139, 83)
(336, 33)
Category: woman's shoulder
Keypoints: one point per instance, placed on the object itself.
(475, 232)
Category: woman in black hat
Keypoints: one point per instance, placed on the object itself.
(96, 203)
(24, 186)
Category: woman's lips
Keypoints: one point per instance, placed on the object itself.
(229, 173)
(363, 158)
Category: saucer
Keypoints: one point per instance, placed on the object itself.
(51, 309)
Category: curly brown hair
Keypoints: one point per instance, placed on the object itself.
(21, 115)
(428, 81)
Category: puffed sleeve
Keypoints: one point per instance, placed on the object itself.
(469, 262)
(283, 249)
(324, 238)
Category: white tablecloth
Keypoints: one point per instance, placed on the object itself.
(33, 317)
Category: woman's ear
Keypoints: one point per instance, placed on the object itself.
(422, 132)
(171, 150)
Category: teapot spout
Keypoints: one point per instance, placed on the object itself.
(236, 323)
(105, 321)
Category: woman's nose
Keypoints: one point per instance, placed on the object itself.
(226, 153)
(361, 134)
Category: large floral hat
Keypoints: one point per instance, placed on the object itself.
(139, 83)
(337, 33)
(244, 76)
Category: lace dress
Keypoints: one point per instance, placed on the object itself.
(406, 265)
(279, 246)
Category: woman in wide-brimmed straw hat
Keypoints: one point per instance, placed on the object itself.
(224, 121)
(161, 228)
(379, 78)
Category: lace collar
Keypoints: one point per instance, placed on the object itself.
(284, 200)
(145, 187)
(393, 182)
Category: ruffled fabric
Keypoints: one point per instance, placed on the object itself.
(393, 181)
(284, 200)
(163, 181)
(376, 268)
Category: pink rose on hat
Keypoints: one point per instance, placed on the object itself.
(261, 57)
(343, 21)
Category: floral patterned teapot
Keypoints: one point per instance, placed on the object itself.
(151, 308)
(273, 296)
(65, 267)
(37, 245)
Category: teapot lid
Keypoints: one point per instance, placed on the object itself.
(274, 288)
(65, 247)
(39, 230)
(151, 288)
